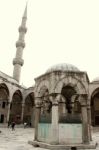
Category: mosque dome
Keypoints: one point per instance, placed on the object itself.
(95, 79)
(63, 67)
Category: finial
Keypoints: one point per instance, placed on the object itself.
(25, 11)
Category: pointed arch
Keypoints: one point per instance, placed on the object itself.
(95, 107)
(70, 81)
(4, 100)
(4, 88)
(16, 107)
(41, 88)
(29, 109)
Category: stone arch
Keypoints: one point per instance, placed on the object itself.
(4, 100)
(95, 107)
(27, 92)
(4, 86)
(69, 87)
(16, 107)
(29, 109)
(41, 87)
(46, 104)
(71, 81)
(43, 91)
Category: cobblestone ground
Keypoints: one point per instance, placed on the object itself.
(18, 139)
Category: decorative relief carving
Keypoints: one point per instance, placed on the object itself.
(83, 99)
(38, 102)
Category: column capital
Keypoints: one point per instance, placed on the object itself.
(55, 98)
(75, 97)
(23, 104)
(88, 107)
(54, 103)
(38, 102)
(85, 96)
(61, 99)
(83, 99)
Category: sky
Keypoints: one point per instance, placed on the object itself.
(58, 31)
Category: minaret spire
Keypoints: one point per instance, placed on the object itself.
(20, 45)
(25, 12)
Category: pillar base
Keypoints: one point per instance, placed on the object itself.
(92, 145)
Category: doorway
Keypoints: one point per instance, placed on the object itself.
(2, 118)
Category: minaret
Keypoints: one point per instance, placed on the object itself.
(20, 44)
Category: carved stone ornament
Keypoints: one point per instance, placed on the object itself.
(83, 99)
(54, 98)
(38, 102)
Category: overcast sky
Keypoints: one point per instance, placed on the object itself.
(59, 31)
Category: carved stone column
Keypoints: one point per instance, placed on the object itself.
(22, 113)
(9, 106)
(85, 132)
(33, 117)
(55, 118)
(37, 116)
(8, 113)
(89, 121)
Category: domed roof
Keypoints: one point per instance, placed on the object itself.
(95, 79)
(63, 67)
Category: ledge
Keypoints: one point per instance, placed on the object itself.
(92, 145)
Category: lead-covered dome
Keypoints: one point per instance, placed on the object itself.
(63, 67)
(95, 79)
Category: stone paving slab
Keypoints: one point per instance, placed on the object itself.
(18, 139)
(92, 145)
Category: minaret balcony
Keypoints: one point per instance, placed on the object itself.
(22, 29)
(18, 61)
(20, 44)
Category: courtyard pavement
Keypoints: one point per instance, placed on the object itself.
(18, 139)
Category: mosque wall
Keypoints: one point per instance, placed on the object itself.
(9, 103)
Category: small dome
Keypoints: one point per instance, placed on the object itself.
(63, 67)
(96, 79)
